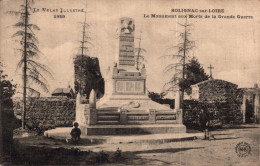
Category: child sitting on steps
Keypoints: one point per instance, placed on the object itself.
(75, 133)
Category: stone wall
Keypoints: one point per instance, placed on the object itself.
(47, 113)
(222, 99)
(216, 90)
(222, 113)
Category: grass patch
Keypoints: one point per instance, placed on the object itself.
(34, 155)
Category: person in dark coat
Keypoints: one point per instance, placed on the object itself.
(75, 133)
(204, 122)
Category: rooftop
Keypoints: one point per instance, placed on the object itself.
(62, 90)
(211, 80)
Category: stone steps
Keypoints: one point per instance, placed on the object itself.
(111, 117)
(107, 122)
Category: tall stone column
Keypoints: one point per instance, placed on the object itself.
(243, 108)
(257, 107)
(78, 108)
(177, 100)
(92, 108)
(178, 107)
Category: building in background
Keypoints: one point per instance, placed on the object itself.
(68, 92)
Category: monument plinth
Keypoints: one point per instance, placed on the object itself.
(126, 107)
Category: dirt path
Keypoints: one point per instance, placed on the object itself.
(198, 152)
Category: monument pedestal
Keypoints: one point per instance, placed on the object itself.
(128, 116)
(132, 129)
(126, 107)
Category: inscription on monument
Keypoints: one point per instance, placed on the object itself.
(130, 86)
(126, 42)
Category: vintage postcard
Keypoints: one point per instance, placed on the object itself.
(130, 82)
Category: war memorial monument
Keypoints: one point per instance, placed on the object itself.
(126, 107)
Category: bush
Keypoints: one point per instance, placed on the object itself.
(7, 90)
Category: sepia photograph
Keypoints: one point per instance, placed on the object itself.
(130, 82)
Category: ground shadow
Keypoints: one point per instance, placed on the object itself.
(221, 134)
(193, 131)
(133, 158)
(168, 150)
(51, 155)
(36, 140)
(144, 161)
(238, 127)
(226, 138)
(224, 127)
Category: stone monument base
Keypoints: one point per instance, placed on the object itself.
(127, 115)
(63, 133)
(132, 129)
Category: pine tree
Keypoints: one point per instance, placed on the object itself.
(32, 71)
(84, 48)
(183, 48)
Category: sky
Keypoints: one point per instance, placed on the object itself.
(230, 45)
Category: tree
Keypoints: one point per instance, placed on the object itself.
(87, 72)
(183, 49)
(6, 87)
(7, 90)
(139, 58)
(91, 76)
(84, 48)
(195, 73)
(32, 71)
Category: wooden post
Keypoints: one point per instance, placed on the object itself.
(243, 108)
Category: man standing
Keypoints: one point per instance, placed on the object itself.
(204, 122)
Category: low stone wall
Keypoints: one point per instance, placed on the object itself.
(224, 113)
(47, 112)
(222, 99)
